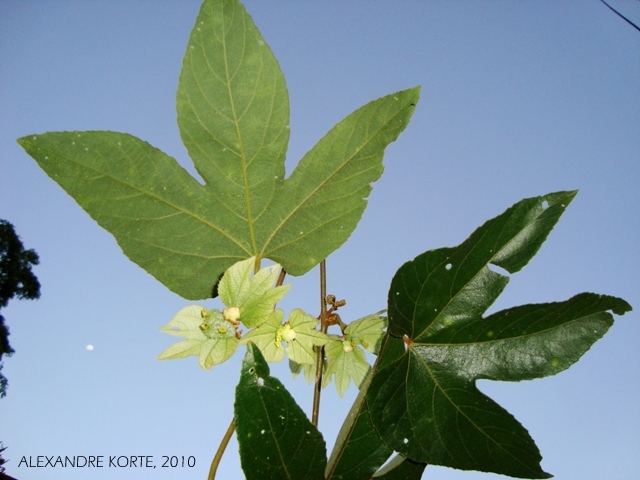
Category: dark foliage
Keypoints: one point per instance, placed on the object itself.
(16, 280)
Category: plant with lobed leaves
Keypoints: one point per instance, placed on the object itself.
(419, 398)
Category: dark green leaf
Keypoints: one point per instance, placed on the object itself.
(359, 451)
(233, 114)
(452, 285)
(423, 398)
(276, 439)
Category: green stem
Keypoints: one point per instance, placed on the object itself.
(320, 358)
(221, 448)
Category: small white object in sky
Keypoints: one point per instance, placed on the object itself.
(89, 347)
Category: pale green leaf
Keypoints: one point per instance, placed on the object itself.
(186, 323)
(255, 296)
(235, 284)
(368, 331)
(215, 351)
(309, 370)
(345, 362)
(182, 349)
(266, 338)
(301, 347)
(208, 336)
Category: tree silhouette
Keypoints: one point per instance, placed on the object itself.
(16, 279)
(3, 476)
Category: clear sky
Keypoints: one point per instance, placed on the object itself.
(518, 99)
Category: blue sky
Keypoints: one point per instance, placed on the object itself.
(518, 99)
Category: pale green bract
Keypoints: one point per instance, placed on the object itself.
(299, 333)
(213, 335)
(207, 335)
(255, 296)
(345, 361)
(345, 358)
(265, 337)
(300, 349)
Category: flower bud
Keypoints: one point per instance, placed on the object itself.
(231, 314)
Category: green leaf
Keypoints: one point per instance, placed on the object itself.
(368, 331)
(301, 343)
(309, 370)
(265, 337)
(423, 399)
(345, 362)
(256, 296)
(233, 111)
(276, 439)
(359, 451)
(321, 203)
(162, 218)
(208, 336)
(233, 115)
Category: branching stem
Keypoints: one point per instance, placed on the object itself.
(320, 358)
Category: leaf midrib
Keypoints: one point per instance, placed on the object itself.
(271, 430)
(576, 318)
(239, 133)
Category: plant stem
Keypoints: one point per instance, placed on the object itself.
(221, 448)
(320, 358)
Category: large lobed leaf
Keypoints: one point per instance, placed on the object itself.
(423, 400)
(276, 438)
(233, 115)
